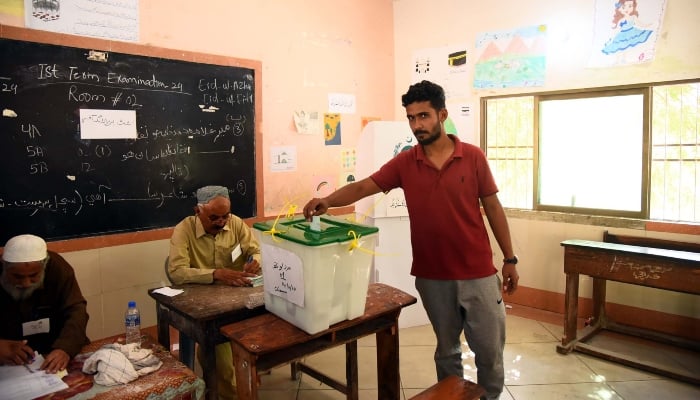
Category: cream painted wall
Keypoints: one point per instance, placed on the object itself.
(308, 48)
(419, 25)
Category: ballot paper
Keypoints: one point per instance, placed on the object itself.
(28, 381)
(256, 281)
(168, 291)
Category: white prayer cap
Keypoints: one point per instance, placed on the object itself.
(24, 248)
(207, 193)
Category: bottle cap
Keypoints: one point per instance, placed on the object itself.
(132, 304)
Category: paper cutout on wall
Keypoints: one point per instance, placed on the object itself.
(324, 185)
(345, 178)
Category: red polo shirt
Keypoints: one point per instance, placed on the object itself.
(448, 234)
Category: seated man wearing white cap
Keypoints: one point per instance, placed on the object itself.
(210, 246)
(42, 306)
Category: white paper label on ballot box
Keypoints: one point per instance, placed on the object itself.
(283, 274)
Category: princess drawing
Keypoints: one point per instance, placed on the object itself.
(626, 31)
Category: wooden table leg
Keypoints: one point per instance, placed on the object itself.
(246, 371)
(163, 324)
(570, 313)
(388, 363)
(599, 289)
(208, 353)
(351, 374)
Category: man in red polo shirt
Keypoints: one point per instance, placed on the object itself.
(446, 182)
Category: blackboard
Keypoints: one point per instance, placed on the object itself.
(68, 171)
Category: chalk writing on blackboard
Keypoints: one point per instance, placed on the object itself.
(91, 147)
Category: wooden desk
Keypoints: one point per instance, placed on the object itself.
(173, 380)
(266, 341)
(646, 266)
(199, 312)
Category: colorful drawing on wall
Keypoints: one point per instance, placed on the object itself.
(307, 122)
(331, 129)
(625, 31)
(446, 66)
(514, 58)
(349, 159)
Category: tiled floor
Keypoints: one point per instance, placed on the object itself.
(534, 369)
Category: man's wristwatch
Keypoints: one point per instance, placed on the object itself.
(513, 260)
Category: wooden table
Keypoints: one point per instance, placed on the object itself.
(266, 341)
(199, 312)
(646, 266)
(173, 380)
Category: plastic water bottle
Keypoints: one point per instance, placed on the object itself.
(132, 322)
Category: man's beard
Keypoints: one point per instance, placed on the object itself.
(432, 136)
(17, 293)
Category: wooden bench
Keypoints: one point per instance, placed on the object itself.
(655, 263)
(650, 242)
(451, 388)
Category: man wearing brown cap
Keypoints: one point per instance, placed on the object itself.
(43, 308)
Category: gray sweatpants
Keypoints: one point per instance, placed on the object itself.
(476, 307)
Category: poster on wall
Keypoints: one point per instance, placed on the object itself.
(283, 158)
(625, 32)
(307, 122)
(331, 129)
(114, 19)
(447, 66)
(460, 121)
(515, 58)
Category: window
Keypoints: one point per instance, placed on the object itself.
(675, 153)
(628, 152)
(510, 148)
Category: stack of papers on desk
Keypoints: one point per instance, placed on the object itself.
(28, 381)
